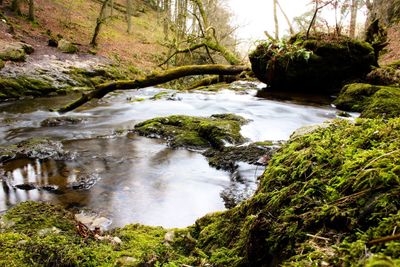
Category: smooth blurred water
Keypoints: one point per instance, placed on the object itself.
(136, 179)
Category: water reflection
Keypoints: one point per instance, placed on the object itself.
(147, 183)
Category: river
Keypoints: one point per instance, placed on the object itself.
(137, 179)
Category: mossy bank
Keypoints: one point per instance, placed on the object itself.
(321, 201)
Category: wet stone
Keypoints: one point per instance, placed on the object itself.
(26, 187)
(60, 121)
(85, 181)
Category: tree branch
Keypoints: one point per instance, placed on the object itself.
(152, 80)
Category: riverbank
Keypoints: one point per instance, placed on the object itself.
(314, 202)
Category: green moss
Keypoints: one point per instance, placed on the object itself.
(323, 197)
(2, 64)
(371, 100)
(24, 86)
(386, 75)
(194, 132)
(321, 63)
(67, 47)
(159, 95)
(17, 55)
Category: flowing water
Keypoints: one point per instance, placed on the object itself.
(132, 179)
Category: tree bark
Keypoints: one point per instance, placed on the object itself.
(15, 6)
(154, 79)
(286, 18)
(31, 15)
(276, 21)
(353, 18)
(99, 22)
(129, 15)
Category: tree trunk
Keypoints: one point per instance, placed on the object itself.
(353, 18)
(129, 15)
(276, 20)
(154, 79)
(15, 6)
(286, 18)
(111, 8)
(31, 15)
(167, 18)
(99, 22)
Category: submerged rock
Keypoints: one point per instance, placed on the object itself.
(321, 63)
(195, 132)
(35, 148)
(371, 101)
(228, 157)
(60, 121)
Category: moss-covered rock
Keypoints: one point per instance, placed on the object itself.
(228, 157)
(24, 86)
(14, 51)
(67, 47)
(60, 121)
(35, 148)
(371, 100)
(321, 199)
(321, 63)
(386, 75)
(2, 64)
(194, 132)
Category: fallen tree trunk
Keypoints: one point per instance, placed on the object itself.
(152, 80)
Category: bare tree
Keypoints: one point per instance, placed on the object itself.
(319, 4)
(15, 6)
(286, 17)
(129, 15)
(31, 14)
(276, 20)
(99, 22)
(353, 18)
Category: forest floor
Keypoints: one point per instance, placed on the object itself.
(75, 21)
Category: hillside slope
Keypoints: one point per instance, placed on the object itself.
(75, 21)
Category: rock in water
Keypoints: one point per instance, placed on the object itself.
(321, 63)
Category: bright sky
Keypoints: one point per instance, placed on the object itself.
(256, 16)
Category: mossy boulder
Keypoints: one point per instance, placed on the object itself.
(2, 64)
(321, 63)
(14, 51)
(372, 101)
(322, 198)
(24, 86)
(386, 75)
(195, 132)
(67, 47)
